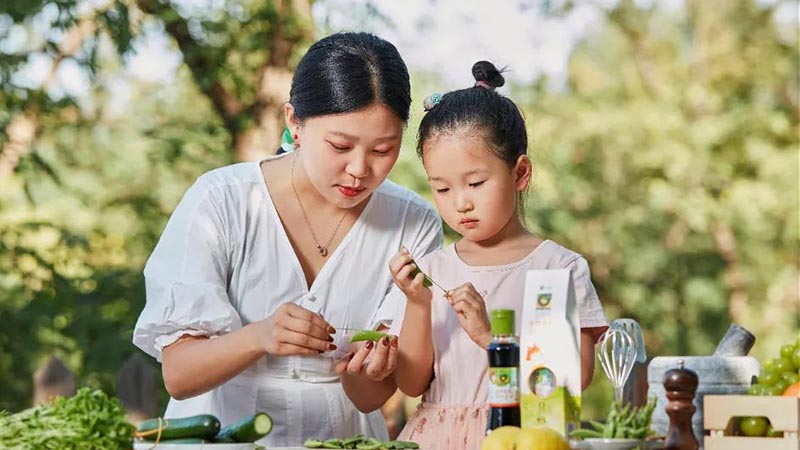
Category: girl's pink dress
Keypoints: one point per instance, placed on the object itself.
(453, 412)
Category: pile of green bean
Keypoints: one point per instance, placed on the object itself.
(623, 422)
(359, 442)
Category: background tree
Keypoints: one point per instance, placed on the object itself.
(671, 160)
(668, 157)
(87, 181)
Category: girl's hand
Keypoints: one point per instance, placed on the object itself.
(401, 267)
(294, 330)
(375, 360)
(471, 312)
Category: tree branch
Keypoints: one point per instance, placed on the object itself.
(274, 81)
(21, 130)
(200, 63)
(726, 244)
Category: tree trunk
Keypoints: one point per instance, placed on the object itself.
(20, 134)
(264, 114)
(726, 244)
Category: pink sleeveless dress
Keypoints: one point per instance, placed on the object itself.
(453, 413)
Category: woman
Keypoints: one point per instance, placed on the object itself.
(263, 266)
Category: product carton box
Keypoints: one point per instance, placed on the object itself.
(550, 353)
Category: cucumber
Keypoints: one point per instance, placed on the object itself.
(184, 441)
(367, 335)
(204, 426)
(249, 429)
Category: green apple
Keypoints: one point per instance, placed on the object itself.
(754, 426)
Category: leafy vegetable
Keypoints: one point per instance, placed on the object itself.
(88, 420)
(622, 423)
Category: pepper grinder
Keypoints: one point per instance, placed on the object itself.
(680, 386)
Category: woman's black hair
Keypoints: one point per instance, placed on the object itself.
(346, 72)
(479, 109)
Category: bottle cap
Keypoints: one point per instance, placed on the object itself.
(502, 321)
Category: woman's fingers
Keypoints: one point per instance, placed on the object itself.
(376, 360)
(391, 361)
(305, 327)
(291, 349)
(356, 364)
(304, 340)
(380, 354)
(340, 367)
(298, 312)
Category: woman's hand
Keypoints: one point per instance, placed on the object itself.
(375, 360)
(294, 330)
(471, 312)
(401, 266)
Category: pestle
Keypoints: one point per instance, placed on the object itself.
(736, 342)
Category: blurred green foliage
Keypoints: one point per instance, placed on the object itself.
(669, 159)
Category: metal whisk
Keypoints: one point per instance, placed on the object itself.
(617, 354)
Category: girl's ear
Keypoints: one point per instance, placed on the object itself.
(291, 122)
(523, 172)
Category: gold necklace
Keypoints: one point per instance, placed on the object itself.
(323, 249)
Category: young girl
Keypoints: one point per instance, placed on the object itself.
(473, 145)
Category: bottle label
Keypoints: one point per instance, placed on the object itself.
(503, 387)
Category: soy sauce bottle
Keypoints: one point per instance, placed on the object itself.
(503, 371)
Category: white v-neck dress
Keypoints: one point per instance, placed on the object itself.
(224, 261)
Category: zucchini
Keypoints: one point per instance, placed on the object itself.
(249, 429)
(367, 335)
(204, 426)
(184, 441)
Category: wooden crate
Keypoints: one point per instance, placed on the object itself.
(782, 412)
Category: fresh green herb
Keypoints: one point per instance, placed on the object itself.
(86, 421)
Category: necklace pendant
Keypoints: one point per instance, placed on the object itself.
(323, 251)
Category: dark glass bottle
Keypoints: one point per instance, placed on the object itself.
(503, 372)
